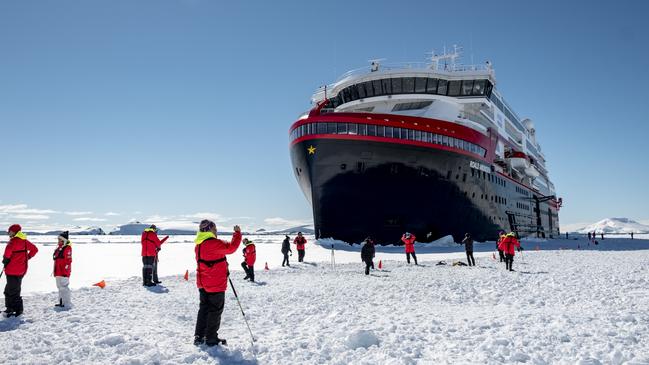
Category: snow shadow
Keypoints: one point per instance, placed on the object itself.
(10, 324)
(231, 358)
(158, 289)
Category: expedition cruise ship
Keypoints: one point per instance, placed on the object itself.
(433, 149)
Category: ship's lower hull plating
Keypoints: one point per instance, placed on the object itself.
(362, 188)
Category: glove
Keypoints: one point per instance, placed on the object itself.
(291, 253)
(5, 261)
(157, 249)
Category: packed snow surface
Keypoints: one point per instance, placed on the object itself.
(562, 306)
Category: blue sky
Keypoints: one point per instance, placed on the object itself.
(179, 109)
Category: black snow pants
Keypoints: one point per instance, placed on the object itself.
(413, 256)
(285, 261)
(368, 264)
(147, 270)
(502, 255)
(509, 262)
(208, 321)
(470, 258)
(13, 300)
(250, 271)
(300, 255)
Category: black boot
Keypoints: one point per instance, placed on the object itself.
(60, 304)
(198, 340)
(215, 341)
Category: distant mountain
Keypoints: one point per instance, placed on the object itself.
(77, 231)
(305, 229)
(615, 225)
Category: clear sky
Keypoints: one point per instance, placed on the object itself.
(175, 109)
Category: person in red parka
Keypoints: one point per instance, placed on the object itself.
(150, 247)
(508, 245)
(212, 280)
(299, 242)
(250, 256)
(409, 241)
(62, 269)
(17, 253)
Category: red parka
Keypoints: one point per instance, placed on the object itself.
(151, 243)
(212, 267)
(409, 242)
(299, 242)
(508, 245)
(250, 254)
(63, 260)
(18, 251)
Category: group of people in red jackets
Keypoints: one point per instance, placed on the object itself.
(16, 258)
(506, 245)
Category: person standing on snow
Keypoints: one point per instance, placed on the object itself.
(286, 248)
(299, 242)
(468, 247)
(249, 258)
(150, 248)
(212, 280)
(501, 253)
(17, 253)
(409, 241)
(62, 269)
(367, 255)
(509, 245)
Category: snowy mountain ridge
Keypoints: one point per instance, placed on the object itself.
(615, 225)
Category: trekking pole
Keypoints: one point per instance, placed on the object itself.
(244, 315)
(2, 272)
(333, 258)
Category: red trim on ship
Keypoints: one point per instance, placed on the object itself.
(353, 137)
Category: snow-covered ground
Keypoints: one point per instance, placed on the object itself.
(561, 307)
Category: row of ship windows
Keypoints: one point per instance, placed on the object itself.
(411, 85)
(522, 206)
(492, 178)
(522, 191)
(385, 131)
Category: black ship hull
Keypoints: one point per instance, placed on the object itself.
(360, 188)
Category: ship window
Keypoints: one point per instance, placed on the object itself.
(322, 128)
(431, 88)
(343, 166)
(417, 135)
(347, 95)
(442, 87)
(467, 87)
(411, 106)
(420, 85)
(411, 134)
(308, 128)
(369, 90)
(397, 132)
(445, 140)
(429, 137)
(377, 87)
(488, 88)
(388, 131)
(380, 131)
(397, 85)
(354, 92)
(408, 84)
(387, 86)
(371, 130)
(453, 88)
(464, 177)
(362, 129)
(361, 91)
(331, 128)
(353, 128)
(342, 128)
(479, 87)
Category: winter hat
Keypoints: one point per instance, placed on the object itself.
(246, 241)
(206, 225)
(153, 227)
(65, 235)
(15, 228)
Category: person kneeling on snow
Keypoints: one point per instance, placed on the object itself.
(249, 256)
(367, 255)
(63, 269)
(18, 251)
(212, 280)
(409, 241)
(508, 245)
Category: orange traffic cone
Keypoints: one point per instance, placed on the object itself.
(493, 254)
(266, 267)
(186, 275)
(380, 265)
(101, 284)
